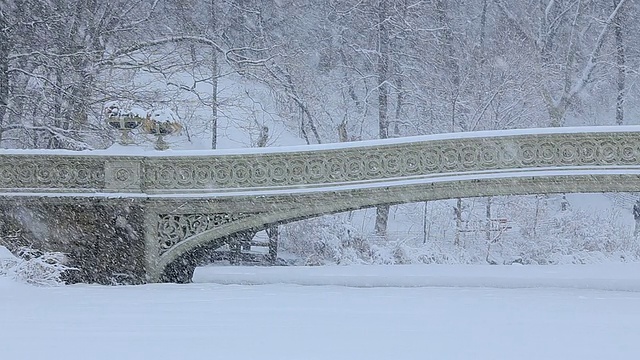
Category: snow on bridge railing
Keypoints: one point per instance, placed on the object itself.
(366, 162)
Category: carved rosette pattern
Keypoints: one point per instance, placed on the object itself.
(392, 161)
(175, 228)
(59, 173)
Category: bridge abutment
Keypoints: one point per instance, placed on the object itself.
(102, 239)
(117, 240)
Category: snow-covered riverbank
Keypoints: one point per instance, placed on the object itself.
(467, 312)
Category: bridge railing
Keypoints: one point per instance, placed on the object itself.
(318, 166)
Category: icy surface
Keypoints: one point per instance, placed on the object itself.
(289, 321)
(610, 276)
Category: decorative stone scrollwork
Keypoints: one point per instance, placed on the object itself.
(392, 164)
(221, 174)
(469, 157)
(569, 153)
(175, 228)
(260, 173)
(609, 152)
(315, 170)
(62, 173)
(528, 154)
(432, 160)
(373, 165)
(411, 162)
(241, 173)
(629, 152)
(336, 168)
(450, 159)
(490, 156)
(588, 152)
(278, 172)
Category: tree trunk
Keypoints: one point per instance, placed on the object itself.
(273, 232)
(382, 218)
(383, 71)
(4, 74)
(399, 104)
(535, 218)
(458, 213)
(448, 57)
(488, 225)
(483, 25)
(214, 78)
(214, 99)
(426, 223)
(620, 64)
(382, 211)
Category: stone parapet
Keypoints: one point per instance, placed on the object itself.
(328, 165)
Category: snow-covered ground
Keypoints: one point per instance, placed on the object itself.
(403, 312)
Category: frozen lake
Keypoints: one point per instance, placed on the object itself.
(349, 312)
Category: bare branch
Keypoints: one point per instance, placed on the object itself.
(592, 61)
(513, 21)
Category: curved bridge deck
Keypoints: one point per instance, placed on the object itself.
(366, 164)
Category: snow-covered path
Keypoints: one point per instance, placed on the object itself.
(289, 321)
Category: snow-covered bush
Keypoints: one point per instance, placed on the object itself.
(326, 240)
(7, 261)
(540, 231)
(33, 267)
(578, 237)
(332, 239)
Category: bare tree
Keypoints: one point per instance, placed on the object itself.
(5, 43)
(558, 43)
(56, 75)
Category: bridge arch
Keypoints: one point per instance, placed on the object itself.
(309, 205)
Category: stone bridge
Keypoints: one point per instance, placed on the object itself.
(146, 217)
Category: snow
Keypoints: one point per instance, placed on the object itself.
(116, 109)
(139, 112)
(145, 151)
(5, 254)
(7, 261)
(475, 312)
